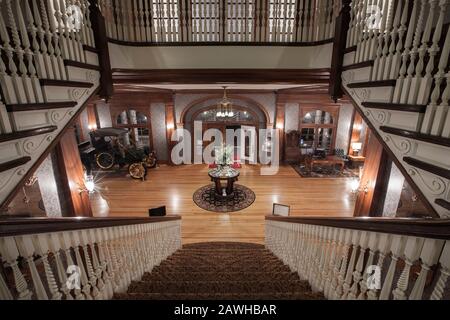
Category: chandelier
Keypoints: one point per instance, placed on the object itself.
(225, 108)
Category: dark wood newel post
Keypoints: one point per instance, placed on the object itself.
(101, 44)
(339, 44)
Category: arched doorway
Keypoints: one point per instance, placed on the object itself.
(248, 116)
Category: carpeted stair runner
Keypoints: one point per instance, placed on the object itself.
(220, 271)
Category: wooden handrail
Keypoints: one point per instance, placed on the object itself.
(22, 226)
(425, 228)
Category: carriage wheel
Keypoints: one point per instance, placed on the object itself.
(150, 162)
(137, 170)
(105, 160)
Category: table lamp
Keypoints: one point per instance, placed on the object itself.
(356, 147)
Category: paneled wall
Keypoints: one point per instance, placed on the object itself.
(343, 129)
(158, 119)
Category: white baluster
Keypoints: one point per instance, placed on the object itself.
(10, 254)
(96, 262)
(5, 294)
(372, 246)
(397, 250)
(435, 116)
(55, 244)
(91, 276)
(76, 244)
(405, 94)
(26, 250)
(351, 265)
(405, 55)
(444, 270)
(42, 248)
(384, 245)
(359, 268)
(31, 83)
(412, 253)
(394, 34)
(344, 263)
(397, 56)
(429, 257)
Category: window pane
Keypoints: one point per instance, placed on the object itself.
(318, 117)
(307, 137)
(325, 139)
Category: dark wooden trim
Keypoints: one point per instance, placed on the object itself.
(106, 90)
(426, 228)
(23, 226)
(77, 64)
(395, 106)
(39, 106)
(439, 171)
(372, 84)
(220, 44)
(394, 158)
(417, 136)
(381, 185)
(90, 49)
(359, 65)
(350, 49)
(65, 83)
(443, 203)
(5, 166)
(44, 155)
(26, 133)
(208, 76)
(337, 58)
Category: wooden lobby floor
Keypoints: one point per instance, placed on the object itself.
(119, 195)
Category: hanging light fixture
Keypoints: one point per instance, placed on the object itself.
(224, 108)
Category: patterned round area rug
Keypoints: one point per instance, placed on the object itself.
(206, 198)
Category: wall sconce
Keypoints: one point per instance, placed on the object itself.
(358, 127)
(89, 185)
(92, 127)
(280, 126)
(170, 126)
(356, 147)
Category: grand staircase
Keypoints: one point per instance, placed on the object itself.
(49, 70)
(220, 271)
(397, 73)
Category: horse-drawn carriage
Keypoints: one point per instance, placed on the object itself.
(111, 149)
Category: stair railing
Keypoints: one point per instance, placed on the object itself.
(365, 258)
(171, 21)
(408, 42)
(81, 258)
(36, 38)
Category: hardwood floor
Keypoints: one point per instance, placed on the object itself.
(119, 195)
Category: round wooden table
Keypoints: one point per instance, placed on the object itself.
(227, 174)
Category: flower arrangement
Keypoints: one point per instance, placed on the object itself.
(224, 155)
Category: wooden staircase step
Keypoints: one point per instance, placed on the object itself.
(8, 165)
(262, 286)
(439, 171)
(420, 108)
(65, 83)
(71, 63)
(359, 65)
(40, 106)
(372, 84)
(223, 296)
(350, 49)
(90, 49)
(417, 136)
(443, 203)
(26, 133)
